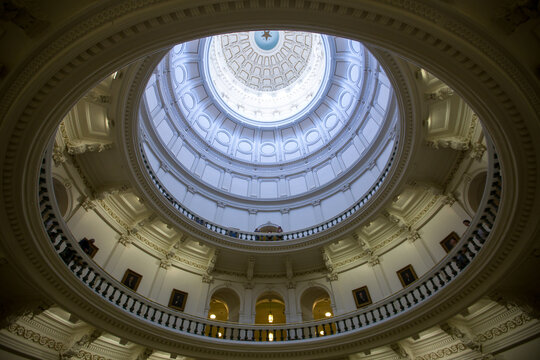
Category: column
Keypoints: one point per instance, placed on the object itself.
(292, 312)
(188, 196)
(254, 187)
(336, 164)
(116, 253)
(348, 193)
(317, 211)
(252, 223)
(159, 279)
(422, 250)
(380, 276)
(285, 219)
(219, 212)
(227, 180)
(310, 179)
(282, 186)
(247, 316)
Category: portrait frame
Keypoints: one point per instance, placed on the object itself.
(178, 300)
(407, 275)
(131, 279)
(361, 297)
(92, 248)
(446, 243)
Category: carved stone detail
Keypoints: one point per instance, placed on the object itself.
(455, 143)
(145, 354)
(477, 151)
(78, 148)
(399, 350)
(440, 95)
(208, 279)
(458, 334)
(58, 155)
(88, 204)
(84, 341)
(97, 98)
(373, 260)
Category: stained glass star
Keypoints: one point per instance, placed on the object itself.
(266, 34)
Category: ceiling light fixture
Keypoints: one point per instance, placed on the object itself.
(270, 316)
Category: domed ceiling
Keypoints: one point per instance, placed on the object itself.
(245, 128)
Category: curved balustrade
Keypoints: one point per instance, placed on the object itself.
(126, 300)
(257, 236)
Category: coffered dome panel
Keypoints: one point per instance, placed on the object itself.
(334, 147)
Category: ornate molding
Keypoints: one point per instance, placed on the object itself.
(442, 353)
(503, 328)
(42, 340)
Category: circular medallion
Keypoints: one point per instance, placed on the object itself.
(266, 40)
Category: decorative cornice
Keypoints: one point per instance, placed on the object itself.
(503, 328)
(442, 353)
(28, 334)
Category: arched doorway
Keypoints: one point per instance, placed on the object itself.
(224, 306)
(269, 310)
(316, 304)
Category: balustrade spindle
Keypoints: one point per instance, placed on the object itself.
(124, 306)
(93, 281)
(139, 309)
(119, 297)
(146, 312)
(97, 289)
(106, 291)
(338, 326)
(133, 303)
(111, 297)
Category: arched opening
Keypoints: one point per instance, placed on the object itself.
(316, 305)
(269, 310)
(476, 190)
(61, 195)
(224, 306)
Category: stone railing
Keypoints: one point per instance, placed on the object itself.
(111, 290)
(257, 236)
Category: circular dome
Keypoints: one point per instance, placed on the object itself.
(266, 78)
(227, 169)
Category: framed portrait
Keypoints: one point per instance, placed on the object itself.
(407, 275)
(93, 250)
(88, 246)
(131, 279)
(178, 300)
(450, 241)
(361, 297)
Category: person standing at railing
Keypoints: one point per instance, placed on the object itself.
(86, 245)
